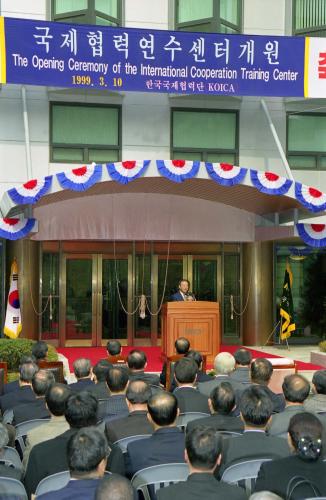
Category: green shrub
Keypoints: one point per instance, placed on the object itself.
(322, 346)
(11, 351)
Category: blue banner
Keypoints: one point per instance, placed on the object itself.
(125, 59)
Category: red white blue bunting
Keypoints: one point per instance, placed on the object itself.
(80, 179)
(15, 229)
(178, 170)
(310, 197)
(313, 234)
(225, 174)
(31, 191)
(127, 171)
(270, 183)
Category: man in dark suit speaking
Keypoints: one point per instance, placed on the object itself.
(183, 293)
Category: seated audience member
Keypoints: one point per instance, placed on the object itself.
(87, 456)
(221, 405)
(317, 402)
(196, 355)
(188, 397)
(14, 385)
(25, 393)
(40, 350)
(255, 410)
(6, 470)
(50, 456)
(182, 346)
(83, 374)
(55, 398)
(295, 476)
(41, 382)
(166, 445)
(203, 456)
(115, 356)
(224, 364)
(116, 406)
(114, 487)
(296, 390)
(137, 363)
(261, 371)
(137, 396)
(100, 372)
(242, 366)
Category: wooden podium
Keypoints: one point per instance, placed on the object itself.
(198, 321)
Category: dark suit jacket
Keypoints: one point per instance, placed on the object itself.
(274, 476)
(280, 421)
(165, 446)
(81, 385)
(23, 395)
(113, 407)
(31, 411)
(50, 457)
(241, 374)
(11, 387)
(251, 445)
(277, 399)
(135, 423)
(190, 399)
(81, 489)
(150, 378)
(203, 485)
(100, 390)
(176, 297)
(218, 422)
(207, 387)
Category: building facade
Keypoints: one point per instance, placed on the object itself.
(80, 281)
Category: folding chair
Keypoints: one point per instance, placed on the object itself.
(228, 434)
(9, 456)
(159, 476)
(53, 482)
(244, 473)
(8, 416)
(123, 443)
(22, 431)
(12, 487)
(185, 418)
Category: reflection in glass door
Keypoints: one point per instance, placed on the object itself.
(206, 277)
(114, 298)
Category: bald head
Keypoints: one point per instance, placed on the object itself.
(114, 487)
(296, 388)
(138, 392)
(163, 409)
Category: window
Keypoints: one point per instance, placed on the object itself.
(101, 12)
(205, 135)
(212, 16)
(84, 133)
(309, 17)
(306, 141)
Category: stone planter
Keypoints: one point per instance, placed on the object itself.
(318, 358)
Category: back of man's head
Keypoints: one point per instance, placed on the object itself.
(255, 406)
(85, 451)
(117, 379)
(56, 399)
(40, 350)
(163, 409)
(27, 359)
(82, 368)
(114, 487)
(4, 436)
(242, 357)
(223, 398)
(81, 410)
(113, 347)
(261, 370)
(196, 356)
(138, 392)
(203, 448)
(182, 345)
(27, 372)
(101, 370)
(136, 360)
(224, 363)
(295, 388)
(42, 381)
(319, 381)
(185, 371)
